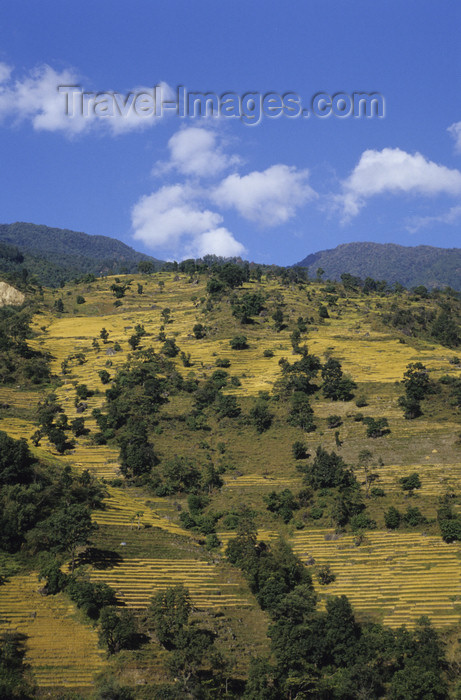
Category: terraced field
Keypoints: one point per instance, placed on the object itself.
(396, 576)
(62, 651)
(137, 580)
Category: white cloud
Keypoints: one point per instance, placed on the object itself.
(395, 171)
(449, 217)
(5, 72)
(455, 131)
(35, 98)
(219, 241)
(270, 197)
(196, 151)
(172, 219)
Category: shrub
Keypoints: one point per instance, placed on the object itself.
(268, 353)
(361, 521)
(316, 513)
(413, 517)
(377, 492)
(239, 342)
(169, 348)
(90, 597)
(361, 401)
(325, 575)
(199, 331)
(104, 376)
(80, 299)
(334, 421)
(410, 483)
(222, 362)
(261, 416)
(299, 450)
(392, 518)
(376, 427)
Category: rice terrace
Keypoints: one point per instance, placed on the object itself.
(187, 452)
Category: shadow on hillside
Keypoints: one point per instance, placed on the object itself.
(99, 558)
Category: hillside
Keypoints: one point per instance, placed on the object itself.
(54, 254)
(198, 438)
(410, 266)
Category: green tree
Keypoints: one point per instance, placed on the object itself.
(392, 518)
(261, 416)
(410, 483)
(68, 529)
(118, 631)
(238, 342)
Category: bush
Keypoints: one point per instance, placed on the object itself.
(334, 421)
(325, 575)
(392, 518)
(299, 450)
(451, 529)
(80, 299)
(222, 362)
(361, 401)
(199, 331)
(361, 521)
(90, 597)
(268, 353)
(316, 513)
(410, 483)
(261, 416)
(169, 348)
(104, 376)
(239, 342)
(414, 517)
(376, 427)
(377, 492)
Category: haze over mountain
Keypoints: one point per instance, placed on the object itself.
(411, 266)
(55, 254)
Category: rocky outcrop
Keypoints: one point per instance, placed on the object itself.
(9, 296)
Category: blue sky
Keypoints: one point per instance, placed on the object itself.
(272, 192)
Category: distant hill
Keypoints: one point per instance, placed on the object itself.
(55, 254)
(411, 266)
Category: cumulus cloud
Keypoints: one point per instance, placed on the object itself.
(269, 197)
(195, 151)
(455, 131)
(173, 218)
(5, 72)
(395, 171)
(36, 98)
(219, 242)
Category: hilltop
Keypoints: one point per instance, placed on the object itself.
(54, 254)
(410, 266)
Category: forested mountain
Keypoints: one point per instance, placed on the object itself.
(411, 266)
(54, 254)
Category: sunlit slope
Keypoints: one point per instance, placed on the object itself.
(394, 576)
(62, 651)
(398, 576)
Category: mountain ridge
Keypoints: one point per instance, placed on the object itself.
(53, 254)
(409, 265)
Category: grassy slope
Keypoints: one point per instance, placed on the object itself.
(392, 576)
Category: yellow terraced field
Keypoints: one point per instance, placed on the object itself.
(122, 509)
(397, 576)
(61, 651)
(137, 580)
(435, 478)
